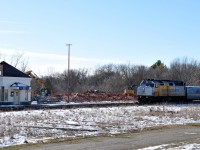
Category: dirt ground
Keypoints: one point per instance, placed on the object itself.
(175, 135)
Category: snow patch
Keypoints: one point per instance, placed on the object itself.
(20, 127)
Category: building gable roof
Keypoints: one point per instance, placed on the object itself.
(9, 71)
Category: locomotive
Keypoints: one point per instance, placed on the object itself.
(166, 91)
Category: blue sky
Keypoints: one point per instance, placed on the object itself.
(138, 32)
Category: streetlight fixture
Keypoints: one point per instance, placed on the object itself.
(68, 72)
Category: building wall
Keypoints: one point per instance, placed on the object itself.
(6, 82)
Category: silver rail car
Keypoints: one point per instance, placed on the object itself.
(193, 93)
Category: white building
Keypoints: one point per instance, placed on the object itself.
(14, 86)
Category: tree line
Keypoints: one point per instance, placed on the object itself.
(115, 78)
(111, 77)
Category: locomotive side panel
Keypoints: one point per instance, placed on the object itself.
(178, 91)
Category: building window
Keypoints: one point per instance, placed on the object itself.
(6, 95)
(12, 93)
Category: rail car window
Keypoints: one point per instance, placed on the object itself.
(171, 84)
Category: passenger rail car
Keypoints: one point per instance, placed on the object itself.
(159, 91)
(193, 93)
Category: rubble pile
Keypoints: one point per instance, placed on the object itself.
(97, 96)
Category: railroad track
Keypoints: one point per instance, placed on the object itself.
(82, 105)
(66, 105)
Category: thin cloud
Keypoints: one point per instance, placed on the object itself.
(55, 57)
(11, 31)
(60, 57)
(41, 62)
(6, 21)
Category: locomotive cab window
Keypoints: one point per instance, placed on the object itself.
(150, 84)
(143, 83)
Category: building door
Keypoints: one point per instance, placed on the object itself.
(16, 97)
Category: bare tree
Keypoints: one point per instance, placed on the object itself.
(17, 59)
(186, 70)
(113, 78)
(24, 65)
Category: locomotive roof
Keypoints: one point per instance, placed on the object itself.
(193, 86)
(168, 81)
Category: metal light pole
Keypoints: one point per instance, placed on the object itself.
(68, 73)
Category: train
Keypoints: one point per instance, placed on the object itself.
(166, 91)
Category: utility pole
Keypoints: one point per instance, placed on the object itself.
(68, 73)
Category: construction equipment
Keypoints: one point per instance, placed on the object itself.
(130, 90)
(44, 91)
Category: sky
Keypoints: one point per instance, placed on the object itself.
(137, 32)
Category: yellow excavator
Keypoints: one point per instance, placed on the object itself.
(43, 90)
(130, 90)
